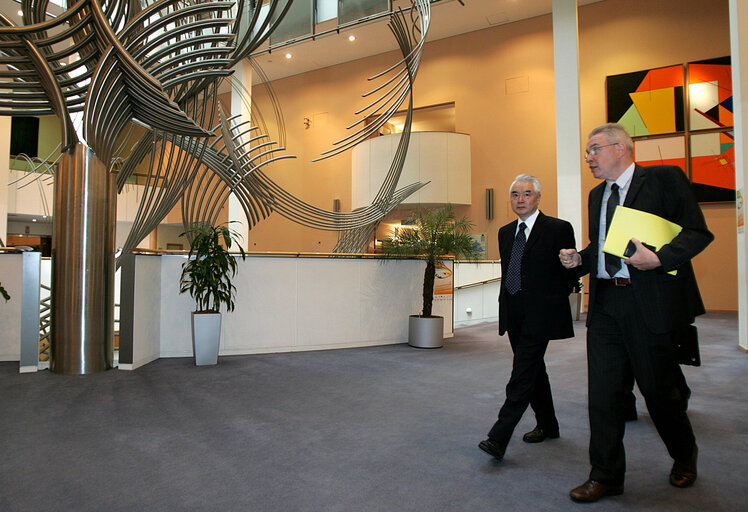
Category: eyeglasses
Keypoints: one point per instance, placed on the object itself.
(594, 149)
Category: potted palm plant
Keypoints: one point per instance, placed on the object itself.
(435, 233)
(207, 277)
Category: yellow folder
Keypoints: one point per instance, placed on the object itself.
(646, 227)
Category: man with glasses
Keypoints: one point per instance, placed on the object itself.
(636, 306)
(533, 308)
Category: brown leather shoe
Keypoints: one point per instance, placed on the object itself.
(538, 435)
(683, 473)
(592, 490)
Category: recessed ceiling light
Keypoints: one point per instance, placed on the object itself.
(288, 55)
(20, 12)
(351, 37)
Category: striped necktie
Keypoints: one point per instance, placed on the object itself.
(612, 263)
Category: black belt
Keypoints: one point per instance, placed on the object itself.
(616, 281)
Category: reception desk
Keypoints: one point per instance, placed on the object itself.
(283, 303)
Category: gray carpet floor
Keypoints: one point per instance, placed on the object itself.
(374, 429)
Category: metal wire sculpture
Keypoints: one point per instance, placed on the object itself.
(411, 45)
(104, 67)
(238, 160)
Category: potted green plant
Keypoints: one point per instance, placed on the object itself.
(434, 233)
(207, 277)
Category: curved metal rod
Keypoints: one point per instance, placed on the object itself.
(249, 43)
(175, 162)
(397, 93)
(54, 93)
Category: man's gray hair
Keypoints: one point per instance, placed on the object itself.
(526, 177)
(615, 133)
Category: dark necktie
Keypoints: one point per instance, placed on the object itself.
(513, 273)
(612, 263)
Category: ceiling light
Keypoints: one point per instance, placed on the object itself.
(20, 12)
(351, 37)
(288, 55)
(33, 220)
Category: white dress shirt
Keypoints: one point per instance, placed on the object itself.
(529, 222)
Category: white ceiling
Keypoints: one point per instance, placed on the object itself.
(449, 18)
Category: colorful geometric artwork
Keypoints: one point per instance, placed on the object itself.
(652, 102)
(647, 102)
(661, 151)
(713, 166)
(710, 94)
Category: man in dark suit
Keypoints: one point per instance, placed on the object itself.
(636, 306)
(533, 308)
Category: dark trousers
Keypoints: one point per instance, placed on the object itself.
(619, 345)
(528, 384)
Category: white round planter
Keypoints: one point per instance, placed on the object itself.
(206, 337)
(426, 332)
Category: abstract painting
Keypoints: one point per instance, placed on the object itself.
(661, 150)
(647, 102)
(693, 126)
(713, 166)
(710, 94)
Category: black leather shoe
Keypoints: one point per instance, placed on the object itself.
(592, 490)
(538, 435)
(683, 473)
(492, 448)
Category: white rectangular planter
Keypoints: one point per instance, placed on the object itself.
(206, 337)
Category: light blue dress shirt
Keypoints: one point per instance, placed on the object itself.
(623, 182)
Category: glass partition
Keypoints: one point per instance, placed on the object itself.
(353, 10)
(298, 22)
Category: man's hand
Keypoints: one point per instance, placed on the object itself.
(643, 258)
(570, 258)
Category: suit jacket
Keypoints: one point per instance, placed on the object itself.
(546, 284)
(665, 302)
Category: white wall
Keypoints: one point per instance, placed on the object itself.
(480, 303)
(476, 271)
(11, 274)
(147, 329)
(441, 158)
(285, 304)
(32, 198)
(4, 174)
(19, 317)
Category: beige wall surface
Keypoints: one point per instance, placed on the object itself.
(501, 82)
